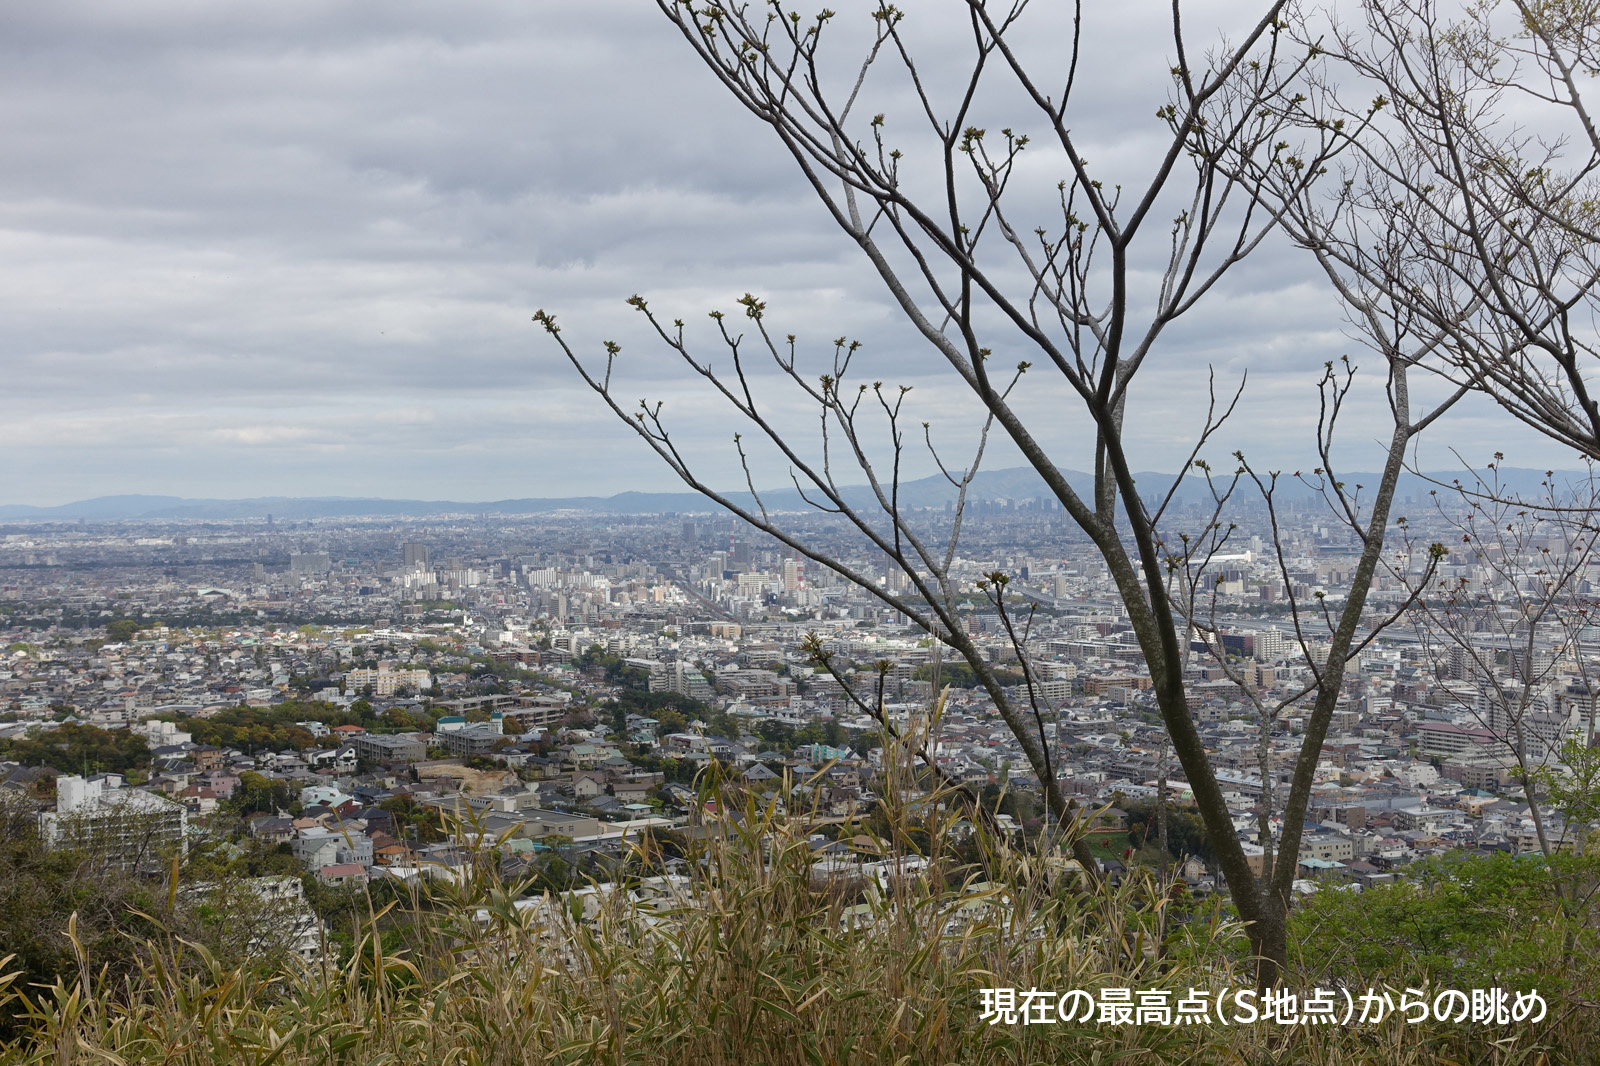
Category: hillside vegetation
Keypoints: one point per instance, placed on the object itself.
(748, 958)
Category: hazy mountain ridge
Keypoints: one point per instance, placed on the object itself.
(1015, 483)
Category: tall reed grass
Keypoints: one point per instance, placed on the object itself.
(748, 958)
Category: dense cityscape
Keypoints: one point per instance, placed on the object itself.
(371, 700)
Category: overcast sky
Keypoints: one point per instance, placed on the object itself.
(293, 249)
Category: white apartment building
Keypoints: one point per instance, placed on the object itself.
(124, 826)
(386, 680)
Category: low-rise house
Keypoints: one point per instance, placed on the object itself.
(198, 800)
(316, 848)
(627, 791)
(340, 760)
(542, 823)
(221, 782)
(842, 801)
(207, 758)
(389, 853)
(348, 873)
(585, 756)
(588, 784)
(271, 829)
(323, 796)
(1328, 846)
(1319, 868)
(1426, 818)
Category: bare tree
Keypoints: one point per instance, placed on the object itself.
(1509, 634)
(259, 922)
(1466, 201)
(1509, 631)
(1469, 190)
(1325, 639)
(941, 213)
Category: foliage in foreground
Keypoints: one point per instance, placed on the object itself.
(751, 960)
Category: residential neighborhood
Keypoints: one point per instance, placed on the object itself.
(372, 701)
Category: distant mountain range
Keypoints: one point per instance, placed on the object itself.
(1015, 483)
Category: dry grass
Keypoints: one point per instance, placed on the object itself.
(754, 963)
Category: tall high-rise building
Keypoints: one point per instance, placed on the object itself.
(1270, 645)
(416, 555)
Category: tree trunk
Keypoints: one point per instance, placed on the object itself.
(1269, 941)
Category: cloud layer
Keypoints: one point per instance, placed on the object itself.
(294, 249)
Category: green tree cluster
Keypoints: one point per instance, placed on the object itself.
(612, 666)
(41, 889)
(257, 793)
(414, 822)
(122, 630)
(785, 738)
(1186, 832)
(674, 711)
(277, 728)
(74, 747)
(958, 674)
(1460, 921)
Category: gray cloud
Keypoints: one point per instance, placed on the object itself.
(294, 248)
